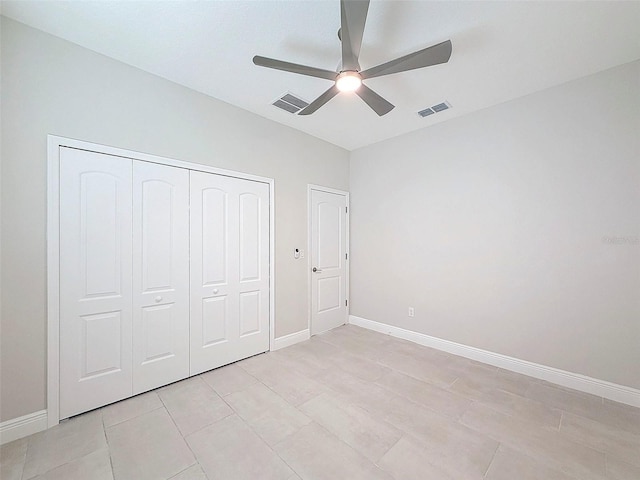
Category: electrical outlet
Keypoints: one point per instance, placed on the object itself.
(412, 312)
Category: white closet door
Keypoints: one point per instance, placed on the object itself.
(229, 270)
(160, 275)
(95, 280)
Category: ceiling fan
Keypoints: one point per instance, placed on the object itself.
(353, 15)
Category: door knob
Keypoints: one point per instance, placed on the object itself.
(316, 270)
(158, 299)
(215, 291)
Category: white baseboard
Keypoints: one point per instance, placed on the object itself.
(576, 381)
(23, 426)
(291, 339)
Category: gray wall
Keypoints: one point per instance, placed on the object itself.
(50, 86)
(492, 226)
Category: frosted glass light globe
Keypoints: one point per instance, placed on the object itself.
(348, 81)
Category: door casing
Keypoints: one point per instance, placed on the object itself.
(54, 143)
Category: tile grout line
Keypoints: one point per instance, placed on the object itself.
(493, 457)
(267, 445)
(26, 452)
(180, 433)
(561, 418)
(106, 439)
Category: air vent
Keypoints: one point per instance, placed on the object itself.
(290, 103)
(426, 112)
(440, 107)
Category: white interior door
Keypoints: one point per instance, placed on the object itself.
(160, 275)
(229, 270)
(95, 280)
(328, 260)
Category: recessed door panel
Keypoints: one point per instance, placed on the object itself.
(249, 237)
(214, 320)
(159, 340)
(160, 275)
(95, 280)
(100, 236)
(328, 260)
(214, 236)
(329, 293)
(329, 228)
(101, 346)
(158, 198)
(249, 312)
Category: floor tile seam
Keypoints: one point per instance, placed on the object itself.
(219, 394)
(264, 415)
(632, 436)
(201, 427)
(131, 418)
(554, 467)
(26, 454)
(354, 447)
(624, 435)
(424, 380)
(270, 447)
(24, 461)
(106, 439)
(379, 460)
(495, 452)
(537, 429)
(611, 453)
(561, 418)
(207, 383)
(522, 445)
(442, 417)
(190, 466)
(443, 389)
(347, 351)
(430, 409)
(535, 426)
(330, 433)
(184, 439)
(518, 416)
(635, 463)
(104, 434)
(284, 399)
(542, 458)
(421, 445)
(164, 405)
(567, 392)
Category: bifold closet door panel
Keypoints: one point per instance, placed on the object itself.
(95, 280)
(229, 270)
(160, 275)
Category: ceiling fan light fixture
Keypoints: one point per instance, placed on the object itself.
(348, 81)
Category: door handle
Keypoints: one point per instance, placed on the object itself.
(158, 299)
(316, 270)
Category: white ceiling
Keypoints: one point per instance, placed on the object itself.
(501, 51)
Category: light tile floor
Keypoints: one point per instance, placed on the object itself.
(348, 404)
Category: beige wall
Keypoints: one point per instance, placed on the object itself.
(50, 86)
(492, 225)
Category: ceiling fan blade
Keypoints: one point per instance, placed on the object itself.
(426, 57)
(353, 15)
(375, 101)
(320, 101)
(294, 68)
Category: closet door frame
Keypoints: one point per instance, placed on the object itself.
(54, 144)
